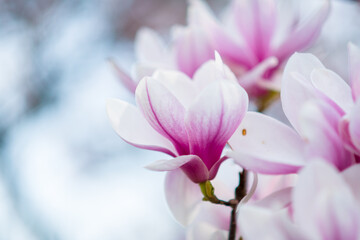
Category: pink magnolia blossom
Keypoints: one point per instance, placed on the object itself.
(324, 205)
(254, 39)
(191, 120)
(256, 36)
(324, 112)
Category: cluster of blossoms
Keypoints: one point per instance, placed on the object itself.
(192, 104)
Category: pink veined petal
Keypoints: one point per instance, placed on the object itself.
(266, 145)
(304, 34)
(191, 165)
(192, 49)
(213, 118)
(354, 63)
(256, 22)
(354, 125)
(315, 180)
(183, 196)
(201, 15)
(163, 111)
(318, 127)
(344, 133)
(254, 76)
(124, 78)
(337, 215)
(296, 86)
(131, 126)
(334, 87)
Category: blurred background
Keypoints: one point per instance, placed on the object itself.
(64, 173)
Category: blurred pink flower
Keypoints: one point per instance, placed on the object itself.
(254, 39)
(324, 205)
(191, 120)
(321, 108)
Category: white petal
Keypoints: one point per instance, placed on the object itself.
(266, 145)
(334, 87)
(183, 196)
(131, 126)
(296, 86)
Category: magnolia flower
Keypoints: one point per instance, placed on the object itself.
(191, 120)
(254, 39)
(256, 36)
(324, 205)
(322, 109)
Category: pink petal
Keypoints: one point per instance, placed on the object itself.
(265, 145)
(124, 78)
(213, 71)
(354, 63)
(213, 118)
(320, 202)
(354, 126)
(296, 86)
(305, 33)
(183, 196)
(254, 77)
(337, 215)
(334, 87)
(319, 128)
(344, 133)
(192, 166)
(131, 126)
(192, 49)
(201, 15)
(163, 111)
(256, 22)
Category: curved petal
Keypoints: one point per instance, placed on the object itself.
(179, 84)
(192, 49)
(266, 145)
(163, 111)
(213, 71)
(213, 118)
(319, 128)
(256, 21)
(182, 196)
(200, 14)
(334, 87)
(191, 165)
(305, 33)
(323, 203)
(296, 87)
(354, 63)
(124, 78)
(131, 126)
(354, 125)
(344, 133)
